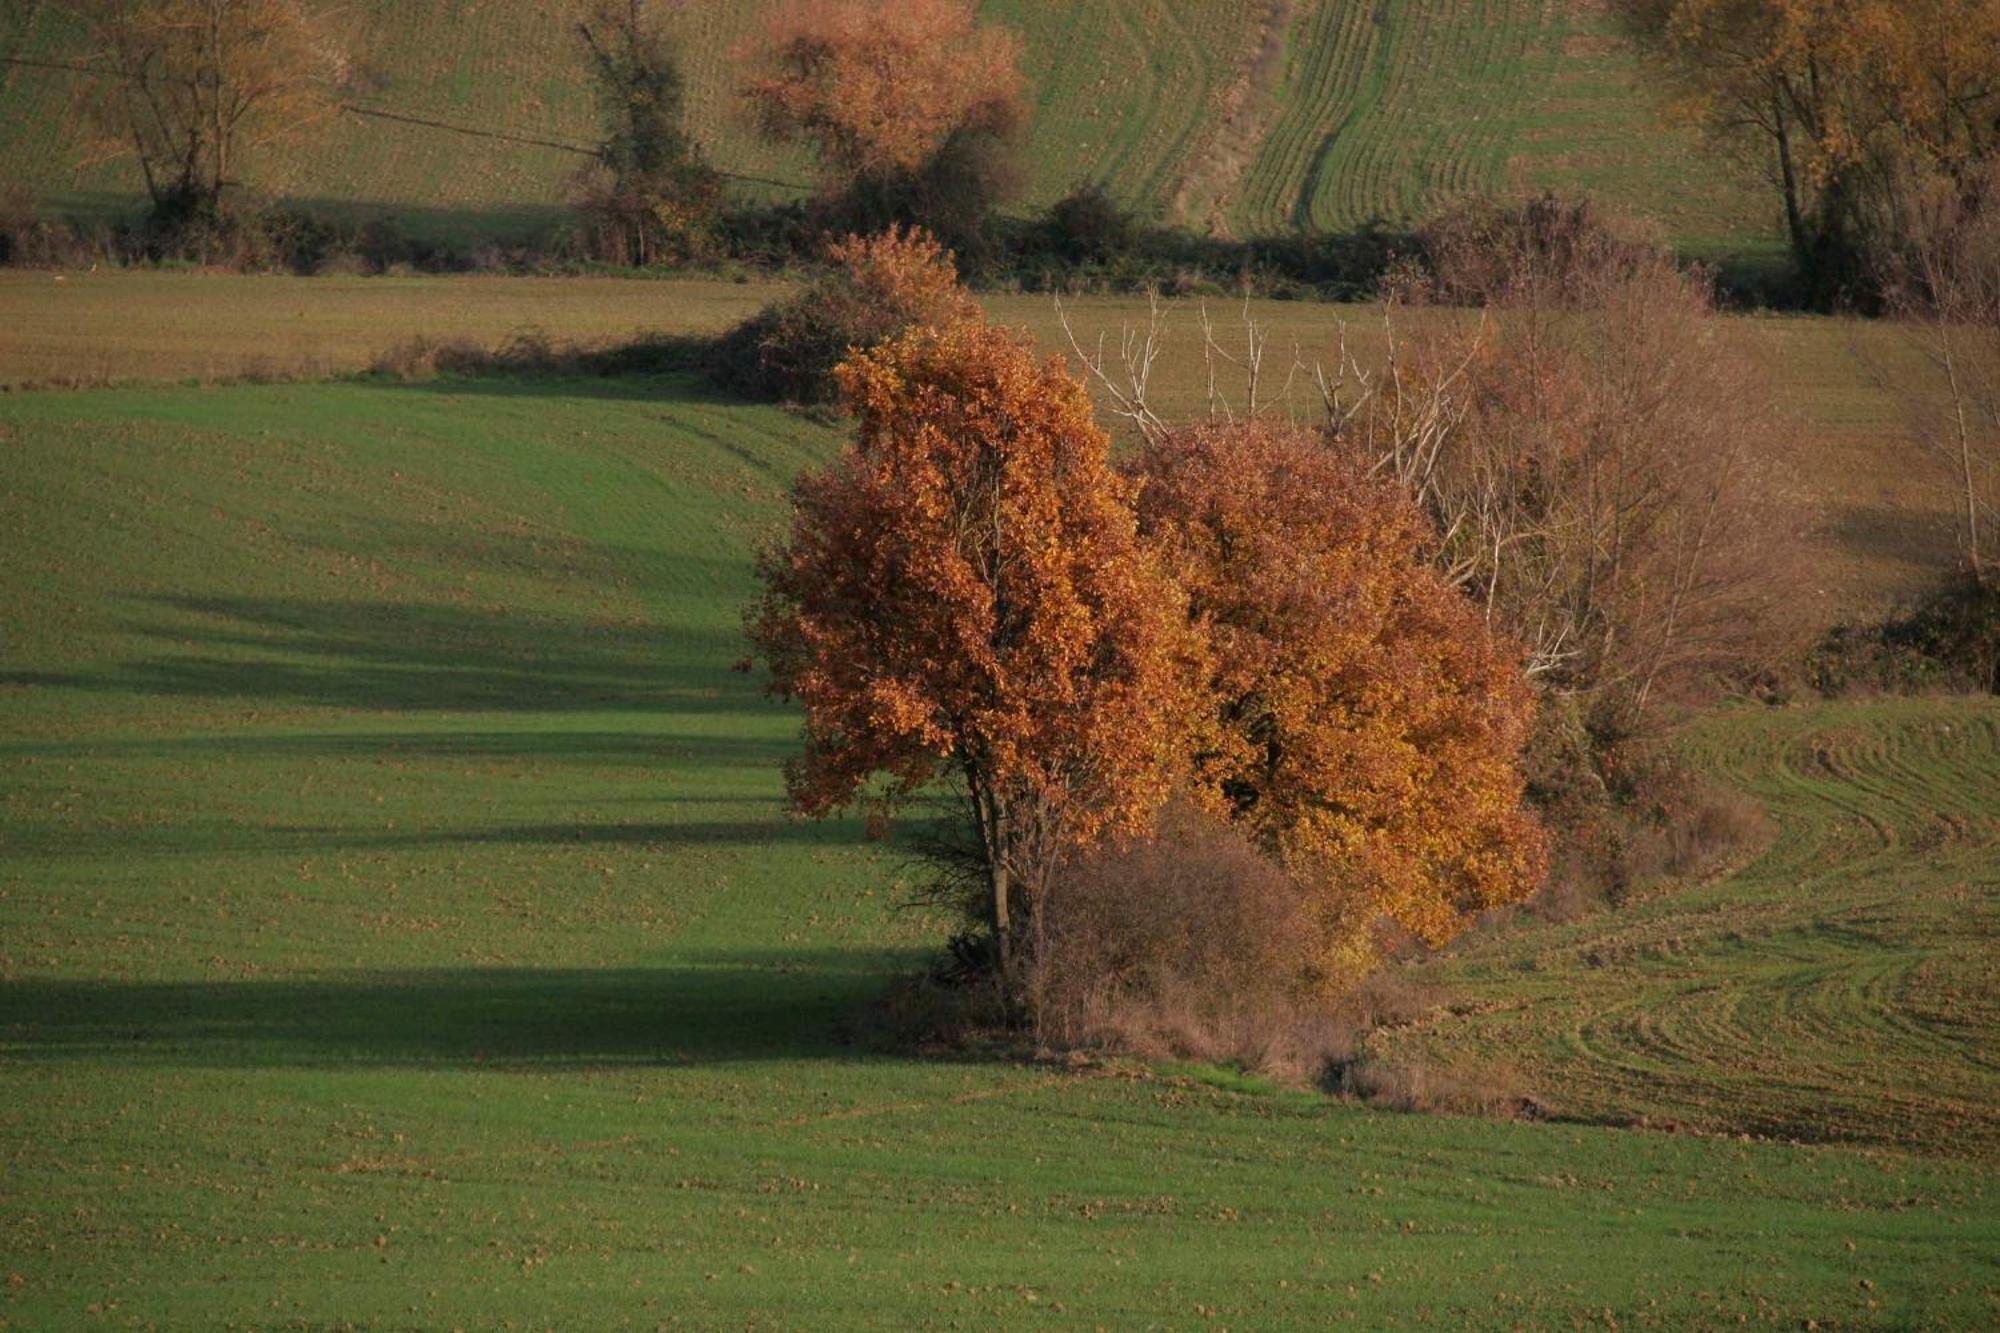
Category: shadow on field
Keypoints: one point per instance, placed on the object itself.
(424, 657)
(1922, 539)
(625, 748)
(462, 226)
(588, 375)
(250, 839)
(747, 1006)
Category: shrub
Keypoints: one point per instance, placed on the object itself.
(1087, 226)
(1546, 251)
(1601, 465)
(1188, 943)
(875, 288)
(1624, 813)
(1412, 1083)
(29, 238)
(650, 197)
(1949, 640)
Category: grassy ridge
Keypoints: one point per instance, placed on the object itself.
(1387, 110)
(398, 925)
(1838, 989)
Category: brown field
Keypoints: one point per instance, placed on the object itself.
(1883, 504)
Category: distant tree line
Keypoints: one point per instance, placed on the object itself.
(1858, 112)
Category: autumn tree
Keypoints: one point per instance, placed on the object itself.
(1842, 101)
(650, 196)
(912, 109)
(1364, 722)
(191, 88)
(963, 599)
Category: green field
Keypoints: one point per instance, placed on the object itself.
(400, 921)
(1883, 506)
(400, 927)
(1838, 989)
(1248, 118)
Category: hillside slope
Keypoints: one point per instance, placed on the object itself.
(400, 927)
(1840, 988)
(1249, 118)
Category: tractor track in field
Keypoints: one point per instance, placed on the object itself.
(1839, 989)
(1214, 175)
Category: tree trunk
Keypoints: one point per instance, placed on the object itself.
(1967, 471)
(1003, 924)
(1795, 222)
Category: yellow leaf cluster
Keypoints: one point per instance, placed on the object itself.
(1363, 723)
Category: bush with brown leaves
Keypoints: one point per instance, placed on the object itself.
(874, 288)
(1190, 943)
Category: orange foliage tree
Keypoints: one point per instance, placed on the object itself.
(963, 597)
(911, 108)
(1364, 723)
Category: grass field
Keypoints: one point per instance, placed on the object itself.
(1771, 1000)
(1884, 507)
(1254, 118)
(399, 927)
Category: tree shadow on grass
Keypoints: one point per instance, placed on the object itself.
(647, 368)
(651, 747)
(372, 655)
(1915, 539)
(224, 839)
(731, 1007)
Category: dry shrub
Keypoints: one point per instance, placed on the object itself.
(1549, 251)
(1625, 814)
(1412, 1083)
(1678, 825)
(30, 238)
(875, 288)
(1388, 997)
(935, 1012)
(1187, 944)
(424, 357)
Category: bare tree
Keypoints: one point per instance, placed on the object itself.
(190, 87)
(1598, 465)
(1944, 286)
